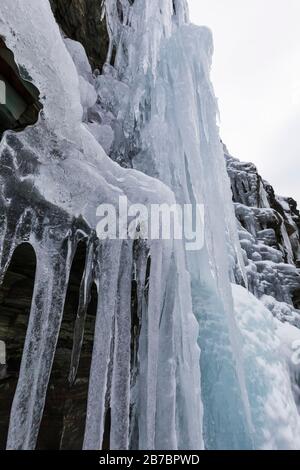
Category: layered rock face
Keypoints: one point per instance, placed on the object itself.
(270, 239)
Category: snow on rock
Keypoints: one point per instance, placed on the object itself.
(290, 350)
(276, 423)
(282, 311)
(269, 232)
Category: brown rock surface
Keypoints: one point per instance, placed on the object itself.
(81, 20)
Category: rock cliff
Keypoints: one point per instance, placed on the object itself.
(270, 239)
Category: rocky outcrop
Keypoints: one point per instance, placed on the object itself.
(82, 21)
(270, 239)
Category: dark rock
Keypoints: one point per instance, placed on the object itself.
(82, 21)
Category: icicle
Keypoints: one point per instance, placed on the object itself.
(84, 299)
(142, 273)
(165, 432)
(149, 367)
(42, 334)
(109, 265)
(120, 387)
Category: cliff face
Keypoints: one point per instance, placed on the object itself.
(269, 235)
(82, 21)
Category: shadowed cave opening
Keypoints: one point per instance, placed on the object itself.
(15, 303)
(19, 98)
(64, 417)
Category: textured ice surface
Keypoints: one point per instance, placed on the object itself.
(160, 93)
(290, 350)
(274, 414)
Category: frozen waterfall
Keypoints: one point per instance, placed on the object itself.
(200, 373)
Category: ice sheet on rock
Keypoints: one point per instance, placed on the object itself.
(80, 59)
(71, 161)
(168, 121)
(103, 134)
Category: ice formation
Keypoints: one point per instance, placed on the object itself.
(270, 394)
(64, 177)
(202, 375)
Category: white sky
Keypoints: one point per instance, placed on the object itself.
(256, 75)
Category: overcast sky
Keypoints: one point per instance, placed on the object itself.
(256, 75)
